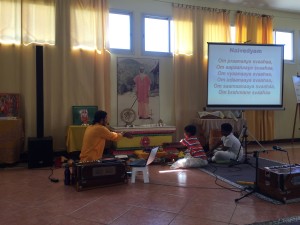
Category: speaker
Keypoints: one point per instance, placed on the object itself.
(40, 152)
(39, 70)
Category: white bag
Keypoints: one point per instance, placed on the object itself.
(188, 162)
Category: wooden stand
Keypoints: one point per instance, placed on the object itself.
(295, 120)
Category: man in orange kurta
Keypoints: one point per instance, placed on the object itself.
(142, 82)
(95, 136)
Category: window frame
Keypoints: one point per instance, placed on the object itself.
(153, 53)
(293, 43)
(131, 32)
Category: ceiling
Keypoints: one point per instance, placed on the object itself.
(281, 5)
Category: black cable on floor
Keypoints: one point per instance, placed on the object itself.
(216, 179)
(54, 180)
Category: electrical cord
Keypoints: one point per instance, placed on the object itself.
(53, 180)
(217, 178)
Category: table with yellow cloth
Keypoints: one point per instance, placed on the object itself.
(11, 140)
(75, 137)
(156, 136)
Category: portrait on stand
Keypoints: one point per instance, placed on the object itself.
(138, 91)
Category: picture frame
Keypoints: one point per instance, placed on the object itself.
(134, 107)
(83, 115)
(9, 105)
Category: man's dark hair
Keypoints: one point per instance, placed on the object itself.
(226, 127)
(190, 129)
(99, 115)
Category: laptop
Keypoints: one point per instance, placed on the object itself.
(145, 162)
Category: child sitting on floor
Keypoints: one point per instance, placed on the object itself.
(228, 148)
(194, 155)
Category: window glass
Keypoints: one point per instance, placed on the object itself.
(232, 34)
(285, 38)
(119, 31)
(157, 35)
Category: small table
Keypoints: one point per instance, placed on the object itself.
(11, 140)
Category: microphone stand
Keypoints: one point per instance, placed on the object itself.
(243, 139)
(246, 134)
(257, 142)
(244, 146)
(255, 187)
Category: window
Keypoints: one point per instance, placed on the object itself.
(157, 38)
(232, 34)
(120, 30)
(287, 39)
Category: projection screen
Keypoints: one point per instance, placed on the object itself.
(245, 76)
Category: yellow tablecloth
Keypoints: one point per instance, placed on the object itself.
(11, 140)
(144, 155)
(75, 137)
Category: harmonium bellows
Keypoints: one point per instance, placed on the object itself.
(280, 182)
(88, 175)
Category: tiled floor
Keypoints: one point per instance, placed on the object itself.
(173, 197)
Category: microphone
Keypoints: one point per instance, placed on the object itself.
(277, 148)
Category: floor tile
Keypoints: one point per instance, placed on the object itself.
(173, 197)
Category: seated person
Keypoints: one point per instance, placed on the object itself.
(95, 136)
(194, 155)
(228, 148)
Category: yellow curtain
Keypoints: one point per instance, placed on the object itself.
(93, 14)
(38, 21)
(10, 21)
(194, 27)
(72, 76)
(256, 29)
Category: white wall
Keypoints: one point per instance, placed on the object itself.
(165, 63)
(284, 120)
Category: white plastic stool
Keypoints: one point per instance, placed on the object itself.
(144, 170)
(143, 167)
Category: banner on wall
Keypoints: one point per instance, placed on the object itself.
(137, 91)
(296, 81)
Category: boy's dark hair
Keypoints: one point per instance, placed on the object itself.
(226, 127)
(190, 129)
(99, 115)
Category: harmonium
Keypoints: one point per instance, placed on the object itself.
(106, 172)
(280, 182)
